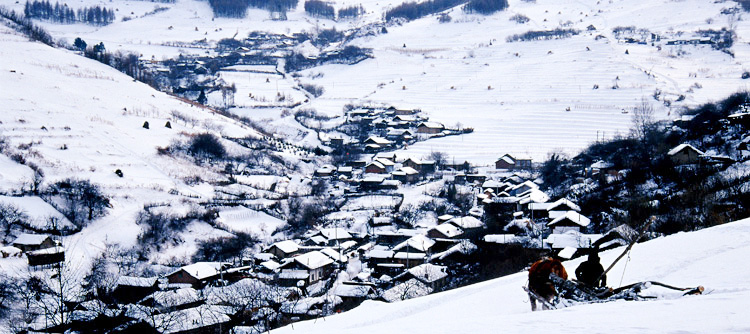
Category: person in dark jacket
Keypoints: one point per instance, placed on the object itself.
(590, 270)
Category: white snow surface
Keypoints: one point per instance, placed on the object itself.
(710, 257)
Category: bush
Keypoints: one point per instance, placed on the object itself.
(519, 18)
(315, 90)
(207, 145)
(222, 249)
(82, 200)
(486, 7)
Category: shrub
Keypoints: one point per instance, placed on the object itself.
(222, 249)
(315, 90)
(82, 200)
(207, 145)
(485, 7)
(519, 18)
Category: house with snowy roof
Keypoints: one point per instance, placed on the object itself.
(685, 154)
(199, 273)
(430, 127)
(560, 207)
(330, 236)
(445, 231)
(130, 289)
(406, 175)
(431, 275)
(27, 242)
(511, 162)
(471, 226)
(309, 267)
(283, 249)
(421, 166)
(571, 220)
(177, 299)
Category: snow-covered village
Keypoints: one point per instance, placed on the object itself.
(343, 166)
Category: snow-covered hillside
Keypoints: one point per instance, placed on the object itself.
(74, 117)
(528, 98)
(712, 257)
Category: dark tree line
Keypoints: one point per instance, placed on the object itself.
(414, 10)
(486, 6)
(44, 10)
(238, 8)
(320, 9)
(535, 35)
(26, 27)
(351, 12)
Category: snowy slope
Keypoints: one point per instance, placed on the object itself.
(75, 117)
(712, 257)
(528, 98)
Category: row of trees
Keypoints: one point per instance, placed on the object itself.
(63, 14)
(238, 8)
(414, 10)
(486, 7)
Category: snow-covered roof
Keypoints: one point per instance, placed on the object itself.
(190, 319)
(409, 256)
(539, 206)
(313, 260)
(428, 272)
(681, 147)
(601, 165)
(293, 274)
(377, 164)
(202, 270)
(9, 250)
(142, 282)
(467, 222)
(449, 230)
(533, 196)
(574, 217)
(463, 247)
(286, 246)
(30, 239)
(378, 140)
(385, 162)
(374, 179)
(334, 255)
(47, 251)
(492, 184)
(508, 159)
(352, 290)
(572, 239)
(501, 238)
(418, 242)
(380, 254)
(334, 233)
(567, 252)
(409, 170)
(528, 184)
(270, 265)
(432, 125)
(172, 298)
(563, 202)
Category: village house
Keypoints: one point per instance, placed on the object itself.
(430, 128)
(378, 142)
(353, 294)
(431, 275)
(561, 207)
(46, 256)
(347, 171)
(198, 274)
(178, 299)
(336, 140)
(406, 175)
(570, 221)
(198, 320)
(310, 267)
(283, 249)
(685, 154)
(397, 111)
(510, 162)
(399, 135)
(325, 171)
(445, 231)
(422, 166)
(471, 226)
(416, 244)
(131, 289)
(27, 242)
(371, 183)
(330, 236)
(375, 167)
(517, 190)
(387, 163)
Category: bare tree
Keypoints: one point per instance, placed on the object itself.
(642, 119)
